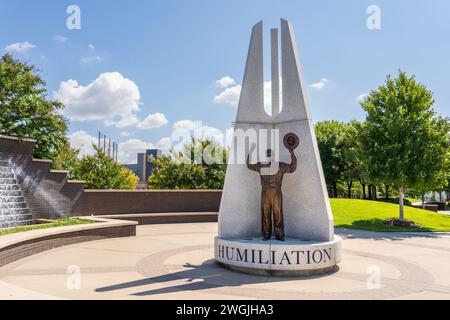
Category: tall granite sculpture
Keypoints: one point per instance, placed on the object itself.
(310, 246)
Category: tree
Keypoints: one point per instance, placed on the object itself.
(201, 164)
(102, 172)
(67, 159)
(352, 169)
(447, 190)
(330, 139)
(26, 112)
(404, 142)
(361, 165)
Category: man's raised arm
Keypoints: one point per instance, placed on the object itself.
(253, 167)
(289, 168)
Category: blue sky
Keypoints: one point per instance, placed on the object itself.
(164, 57)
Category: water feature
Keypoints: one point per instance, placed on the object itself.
(13, 207)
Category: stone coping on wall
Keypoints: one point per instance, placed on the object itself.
(42, 160)
(17, 139)
(22, 244)
(153, 190)
(168, 217)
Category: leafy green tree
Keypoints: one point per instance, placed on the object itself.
(67, 159)
(361, 165)
(26, 112)
(447, 190)
(404, 142)
(102, 172)
(168, 174)
(330, 139)
(201, 164)
(353, 167)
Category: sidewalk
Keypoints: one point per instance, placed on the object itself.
(176, 261)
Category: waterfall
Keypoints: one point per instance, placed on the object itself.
(13, 207)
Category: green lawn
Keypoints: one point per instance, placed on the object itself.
(63, 222)
(369, 215)
(412, 200)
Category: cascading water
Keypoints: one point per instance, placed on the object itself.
(13, 208)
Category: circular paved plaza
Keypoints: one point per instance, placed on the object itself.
(175, 261)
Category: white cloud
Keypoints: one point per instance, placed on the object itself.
(109, 96)
(319, 85)
(91, 59)
(225, 82)
(268, 95)
(208, 132)
(362, 97)
(188, 128)
(153, 121)
(229, 96)
(182, 132)
(125, 134)
(164, 144)
(91, 46)
(19, 47)
(129, 149)
(127, 121)
(60, 39)
(83, 141)
(184, 125)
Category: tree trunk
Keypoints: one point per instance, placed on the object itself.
(335, 189)
(349, 189)
(386, 191)
(372, 192)
(369, 187)
(363, 185)
(423, 201)
(401, 197)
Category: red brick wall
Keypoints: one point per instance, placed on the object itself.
(108, 202)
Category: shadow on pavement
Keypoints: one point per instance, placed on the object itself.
(208, 275)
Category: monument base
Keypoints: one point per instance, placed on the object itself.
(292, 257)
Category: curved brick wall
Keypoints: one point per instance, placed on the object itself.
(23, 244)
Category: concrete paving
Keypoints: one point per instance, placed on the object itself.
(176, 262)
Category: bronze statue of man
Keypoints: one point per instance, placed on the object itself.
(271, 196)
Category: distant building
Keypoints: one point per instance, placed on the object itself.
(154, 153)
(140, 166)
(143, 168)
(132, 167)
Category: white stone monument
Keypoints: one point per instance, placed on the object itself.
(310, 246)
